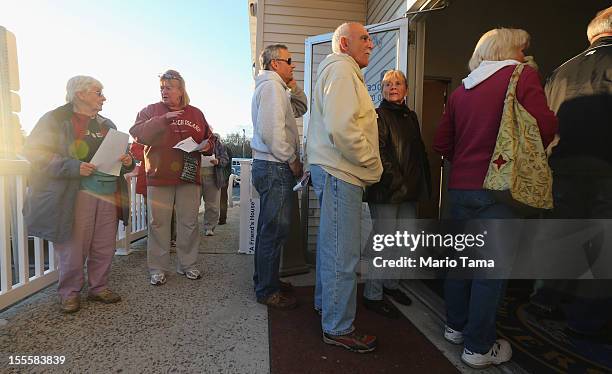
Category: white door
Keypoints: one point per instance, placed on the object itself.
(390, 52)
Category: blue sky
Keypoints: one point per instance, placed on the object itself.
(126, 44)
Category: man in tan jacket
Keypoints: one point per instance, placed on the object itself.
(343, 158)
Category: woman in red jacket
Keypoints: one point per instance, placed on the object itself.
(466, 136)
(173, 180)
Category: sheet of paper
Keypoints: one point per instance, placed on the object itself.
(113, 146)
(206, 161)
(189, 145)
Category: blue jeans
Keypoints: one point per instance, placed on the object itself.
(338, 250)
(274, 182)
(386, 215)
(471, 304)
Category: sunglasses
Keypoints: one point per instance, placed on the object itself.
(288, 61)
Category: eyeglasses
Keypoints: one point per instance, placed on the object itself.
(170, 76)
(288, 61)
(98, 93)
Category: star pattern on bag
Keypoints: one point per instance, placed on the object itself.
(499, 162)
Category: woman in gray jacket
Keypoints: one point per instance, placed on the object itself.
(70, 203)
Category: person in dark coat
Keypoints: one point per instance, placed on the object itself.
(580, 93)
(404, 181)
(68, 202)
(227, 171)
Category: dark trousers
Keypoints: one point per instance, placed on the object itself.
(223, 204)
(471, 304)
(581, 197)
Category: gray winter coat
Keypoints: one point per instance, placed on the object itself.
(55, 176)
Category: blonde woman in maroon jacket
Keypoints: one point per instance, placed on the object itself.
(466, 136)
(173, 180)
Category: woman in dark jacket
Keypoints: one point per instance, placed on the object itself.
(404, 181)
(71, 204)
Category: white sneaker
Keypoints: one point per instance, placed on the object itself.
(157, 279)
(209, 232)
(499, 353)
(453, 336)
(192, 274)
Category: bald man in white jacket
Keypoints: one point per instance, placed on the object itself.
(277, 101)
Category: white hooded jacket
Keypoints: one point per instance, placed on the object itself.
(273, 111)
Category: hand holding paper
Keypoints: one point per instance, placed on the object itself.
(108, 156)
(189, 145)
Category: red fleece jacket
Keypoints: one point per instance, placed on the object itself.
(158, 134)
(468, 129)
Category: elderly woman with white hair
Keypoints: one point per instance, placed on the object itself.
(173, 176)
(70, 203)
(466, 136)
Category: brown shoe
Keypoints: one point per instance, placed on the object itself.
(285, 286)
(279, 301)
(71, 304)
(106, 296)
(352, 342)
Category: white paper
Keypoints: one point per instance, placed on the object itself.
(107, 156)
(189, 145)
(206, 161)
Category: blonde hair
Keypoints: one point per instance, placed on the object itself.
(175, 75)
(391, 74)
(498, 45)
(80, 83)
(602, 23)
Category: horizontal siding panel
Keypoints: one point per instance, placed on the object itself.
(356, 5)
(315, 13)
(306, 21)
(299, 30)
(287, 38)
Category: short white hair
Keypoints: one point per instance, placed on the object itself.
(498, 45)
(80, 83)
(602, 23)
(343, 30)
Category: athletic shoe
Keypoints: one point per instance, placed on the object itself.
(352, 342)
(192, 274)
(499, 353)
(158, 279)
(208, 232)
(453, 336)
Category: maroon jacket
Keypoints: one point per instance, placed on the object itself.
(467, 132)
(164, 163)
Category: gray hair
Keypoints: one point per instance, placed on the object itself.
(270, 53)
(602, 23)
(343, 30)
(498, 45)
(80, 83)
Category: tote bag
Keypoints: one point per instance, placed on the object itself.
(519, 171)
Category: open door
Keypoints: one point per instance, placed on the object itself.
(390, 52)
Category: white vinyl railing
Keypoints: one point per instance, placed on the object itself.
(137, 224)
(16, 281)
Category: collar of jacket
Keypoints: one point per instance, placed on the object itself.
(271, 75)
(395, 107)
(606, 40)
(335, 57)
(64, 113)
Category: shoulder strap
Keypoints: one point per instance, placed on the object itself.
(511, 92)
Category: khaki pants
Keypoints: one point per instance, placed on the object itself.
(185, 199)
